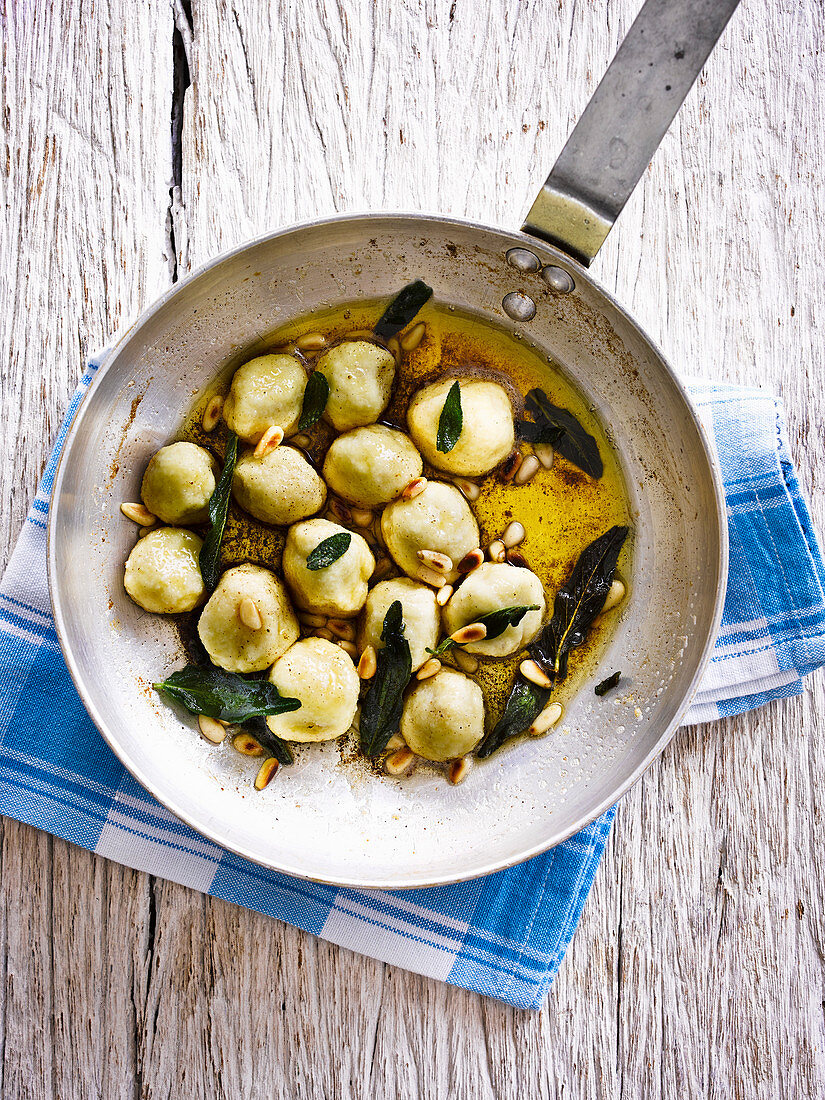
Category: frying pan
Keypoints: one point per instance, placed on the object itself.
(323, 819)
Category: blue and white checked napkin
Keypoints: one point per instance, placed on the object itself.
(503, 935)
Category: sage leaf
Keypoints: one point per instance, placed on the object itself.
(451, 421)
(527, 700)
(578, 603)
(329, 550)
(316, 395)
(559, 427)
(402, 309)
(382, 705)
(209, 558)
(608, 684)
(496, 623)
(224, 695)
(275, 745)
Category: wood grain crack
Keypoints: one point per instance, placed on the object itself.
(723, 888)
(249, 74)
(182, 53)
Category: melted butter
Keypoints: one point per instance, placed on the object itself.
(562, 509)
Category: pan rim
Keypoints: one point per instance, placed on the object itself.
(406, 882)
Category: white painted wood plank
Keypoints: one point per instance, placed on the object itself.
(86, 100)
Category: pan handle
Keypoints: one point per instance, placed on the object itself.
(623, 124)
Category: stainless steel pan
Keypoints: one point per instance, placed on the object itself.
(321, 819)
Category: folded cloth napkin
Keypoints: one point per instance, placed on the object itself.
(502, 935)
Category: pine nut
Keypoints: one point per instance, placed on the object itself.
(382, 567)
(349, 648)
(311, 620)
(496, 551)
(442, 596)
(212, 413)
(471, 561)
(273, 437)
(615, 595)
(442, 563)
(528, 469)
(249, 614)
(399, 762)
(545, 719)
(533, 672)
(469, 488)
(428, 669)
(511, 465)
(368, 664)
(267, 772)
(515, 557)
(361, 517)
(429, 576)
(144, 531)
(415, 488)
(139, 513)
(458, 770)
(247, 745)
(396, 742)
(544, 453)
(394, 348)
(410, 340)
(211, 729)
(340, 511)
(472, 632)
(323, 632)
(300, 440)
(311, 341)
(465, 661)
(514, 534)
(342, 628)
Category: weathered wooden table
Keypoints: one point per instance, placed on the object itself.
(698, 966)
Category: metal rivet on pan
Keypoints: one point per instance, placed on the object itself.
(558, 279)
(523, 260)
(519, 306)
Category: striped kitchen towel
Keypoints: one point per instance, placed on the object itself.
(503, 935)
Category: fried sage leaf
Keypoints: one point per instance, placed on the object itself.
(224, 695)
(381, 708)
(578, 603)
(261, 732)
(525, 703)
(316, 395)
(329, 550)
(559, 427)
(451, 421)
(496, 623)
(608, 684)
(210, 555)
(403, 308)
